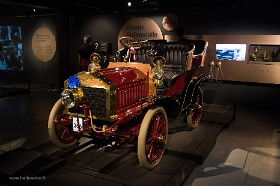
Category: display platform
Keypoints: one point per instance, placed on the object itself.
(14, 88)
(12, 91)
(223, 113)
(95, 162)
(215, 110)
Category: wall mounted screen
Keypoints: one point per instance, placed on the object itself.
(236, 52)
(11, 48)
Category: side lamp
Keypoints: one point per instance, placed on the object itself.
(157, 70)
(95, 60)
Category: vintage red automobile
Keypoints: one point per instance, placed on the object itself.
(126, 103)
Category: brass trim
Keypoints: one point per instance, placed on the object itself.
(96, 80)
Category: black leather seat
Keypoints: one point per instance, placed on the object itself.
(199, 52)
(177, 56)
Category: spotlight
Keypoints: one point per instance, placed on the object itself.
(129, 4)
(34, 10)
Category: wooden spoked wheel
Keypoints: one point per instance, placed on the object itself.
(152, 137)
(194, 113)
(60, 127)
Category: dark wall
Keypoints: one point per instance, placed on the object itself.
(230, 21)
(101, 28)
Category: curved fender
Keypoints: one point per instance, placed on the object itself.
(190, 91)
(170, 105)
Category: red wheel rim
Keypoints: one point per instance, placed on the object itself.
(156, 137)
(197, 109)
(63, 129)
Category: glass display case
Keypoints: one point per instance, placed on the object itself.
(264, 53)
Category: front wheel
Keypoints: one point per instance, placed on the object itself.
(152, 137)
(60, 127)
(194, 113)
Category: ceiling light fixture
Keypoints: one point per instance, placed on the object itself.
(129, 3)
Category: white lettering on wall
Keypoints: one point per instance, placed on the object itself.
(141, 28)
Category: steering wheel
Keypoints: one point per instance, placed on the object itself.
(127, 42)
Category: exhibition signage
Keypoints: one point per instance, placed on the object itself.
(141, 28)
(43, 44)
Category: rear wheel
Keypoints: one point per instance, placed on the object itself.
(194, 113)
(60, 127)
(152, 137)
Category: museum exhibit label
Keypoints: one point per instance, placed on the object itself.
(43, 44)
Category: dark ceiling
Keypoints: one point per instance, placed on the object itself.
(19, 8)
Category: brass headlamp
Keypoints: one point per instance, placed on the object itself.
(70, 97)
(95, 60)
(157, 70)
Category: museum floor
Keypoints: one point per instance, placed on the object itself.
(247, 152)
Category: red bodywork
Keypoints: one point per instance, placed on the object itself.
(131, 85)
